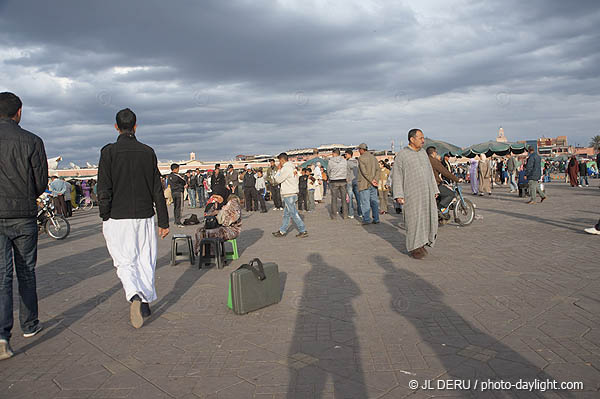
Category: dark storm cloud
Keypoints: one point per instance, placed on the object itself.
(223, 77)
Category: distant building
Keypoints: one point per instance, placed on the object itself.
(501, 138)
(585, 151)
(552, 147)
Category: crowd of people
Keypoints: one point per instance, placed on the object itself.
(132, 197)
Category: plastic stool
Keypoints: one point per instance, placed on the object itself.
(211, 251)
(175, 256)
(232, 255)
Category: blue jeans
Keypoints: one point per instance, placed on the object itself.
(18, 246)
(192, 197)
(369, 203)
(291, 212)
(352, 189)
(581, 180)
(201, 197)
(513, 181)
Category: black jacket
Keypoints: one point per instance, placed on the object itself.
(583, 170)
(249, 180)
(129, 184)
(191, 181)
(533, 169)
(177, 183)
(217, 182)
(23, 170)
(303, 183)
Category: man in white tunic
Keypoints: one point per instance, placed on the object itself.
(414, 187)
(129, 188)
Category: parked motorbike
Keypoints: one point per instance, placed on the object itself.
(462, 209)
(56, 226)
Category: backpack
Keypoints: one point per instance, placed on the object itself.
(210, 222)
(193, 219)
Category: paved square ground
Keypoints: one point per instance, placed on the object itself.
(513, 296)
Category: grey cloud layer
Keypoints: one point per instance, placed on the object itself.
(224, 78)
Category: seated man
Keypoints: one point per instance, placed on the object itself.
(446, 194)
(229, 219)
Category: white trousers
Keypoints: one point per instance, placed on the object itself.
(132, 244)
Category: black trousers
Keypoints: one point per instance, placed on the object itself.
(276, 195)
(445, 197)
(251, 198)
(303, 200)
(261, 199)
(177, 201)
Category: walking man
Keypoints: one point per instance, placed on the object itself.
(129, 189)
(352, 184)
(338, 171)
(368, 173)
(24, 158)
(533, 173)
(512, 166)
(414, 186)
(177, 184)
(287, 176)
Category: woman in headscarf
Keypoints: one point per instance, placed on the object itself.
(485, 176)
(473, 173)
(573, 170)
(229, 218)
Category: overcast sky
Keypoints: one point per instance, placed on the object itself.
(222, 78)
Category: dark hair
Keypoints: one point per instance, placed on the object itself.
(349, 152)
(336, 151)
(530, 149)
(230, 166)
(413, 133)
(174, 166)
(126, 120)
(447, 155)
(430, 150)
(283, 156)
(271, 160)
(10, 104)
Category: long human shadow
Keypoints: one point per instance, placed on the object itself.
(66, 319)
(70, 270)
(325, 340)
(559, 223)
(464, 351)
(248, 238)
(394, 235)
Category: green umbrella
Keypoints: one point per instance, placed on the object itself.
(490, 148)
(313, 161)
(442, 147)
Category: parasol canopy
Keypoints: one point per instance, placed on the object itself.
(324, 162)
(490, 148)
(443, 147)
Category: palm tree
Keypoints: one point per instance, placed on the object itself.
(595, 142)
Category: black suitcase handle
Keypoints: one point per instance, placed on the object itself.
(258, 271)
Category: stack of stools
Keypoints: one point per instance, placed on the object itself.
(183, 240)
(212, 251)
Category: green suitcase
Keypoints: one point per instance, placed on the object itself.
(253, 286)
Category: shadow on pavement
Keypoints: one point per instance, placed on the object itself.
(463, 350)
(325, 342)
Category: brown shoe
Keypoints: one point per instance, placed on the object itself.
(418, 253)
(531, 203)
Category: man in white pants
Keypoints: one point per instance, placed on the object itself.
(129, 188)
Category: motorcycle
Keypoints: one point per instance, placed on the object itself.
(463, 209)
(56, 226)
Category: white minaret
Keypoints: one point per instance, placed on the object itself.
(501, 138)
(192, 156)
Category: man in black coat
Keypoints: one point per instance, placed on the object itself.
(177, 184)
(129, 189)
(217, 183)
(533, 171)
(24, 179)
(250, 193)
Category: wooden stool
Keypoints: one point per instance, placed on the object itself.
(234, 254)
(183, 239)
(211, 251)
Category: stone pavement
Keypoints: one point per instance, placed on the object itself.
(513, 296)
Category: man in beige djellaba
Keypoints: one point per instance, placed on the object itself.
(414, 187)
(484, 173)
